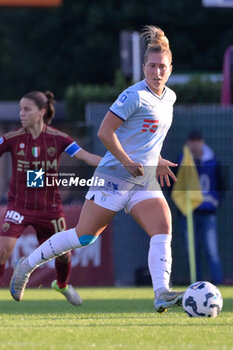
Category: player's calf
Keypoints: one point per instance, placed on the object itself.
(55, 246)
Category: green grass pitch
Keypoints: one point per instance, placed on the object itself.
(110, 318)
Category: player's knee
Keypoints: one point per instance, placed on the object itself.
(87, 240)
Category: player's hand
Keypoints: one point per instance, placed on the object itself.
(135, 169)
(163, 172)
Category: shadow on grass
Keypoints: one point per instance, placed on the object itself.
(93, 306)
(227, 305)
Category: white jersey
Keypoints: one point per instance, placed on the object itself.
(147, 119)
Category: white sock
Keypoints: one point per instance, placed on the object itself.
(159, 261)
(56, 245)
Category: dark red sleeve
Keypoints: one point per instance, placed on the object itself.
(4, 145)
(70, 146)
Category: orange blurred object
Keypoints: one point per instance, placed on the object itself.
(31, 3)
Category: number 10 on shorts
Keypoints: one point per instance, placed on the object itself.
(59, 224)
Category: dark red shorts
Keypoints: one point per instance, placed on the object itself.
(16, 220)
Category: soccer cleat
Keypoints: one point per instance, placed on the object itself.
(167, 300)
(69, 292)
(19, 280)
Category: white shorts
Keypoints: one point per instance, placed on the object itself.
(118, 194)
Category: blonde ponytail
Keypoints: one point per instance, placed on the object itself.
(156, 41)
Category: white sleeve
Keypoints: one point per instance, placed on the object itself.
(126, 104)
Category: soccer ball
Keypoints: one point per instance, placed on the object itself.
(202, 299)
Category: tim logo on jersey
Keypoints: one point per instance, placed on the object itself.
(35, 178)
(149, 125)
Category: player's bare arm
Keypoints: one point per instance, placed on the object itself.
(89, 158)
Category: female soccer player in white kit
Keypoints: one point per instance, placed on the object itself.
(133, 131)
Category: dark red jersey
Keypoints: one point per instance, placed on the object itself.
(27, 153)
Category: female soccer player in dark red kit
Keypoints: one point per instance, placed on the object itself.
(35, 146)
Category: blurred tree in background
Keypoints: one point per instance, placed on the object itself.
(78, 43)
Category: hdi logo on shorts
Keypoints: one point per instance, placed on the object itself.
(35, 178)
